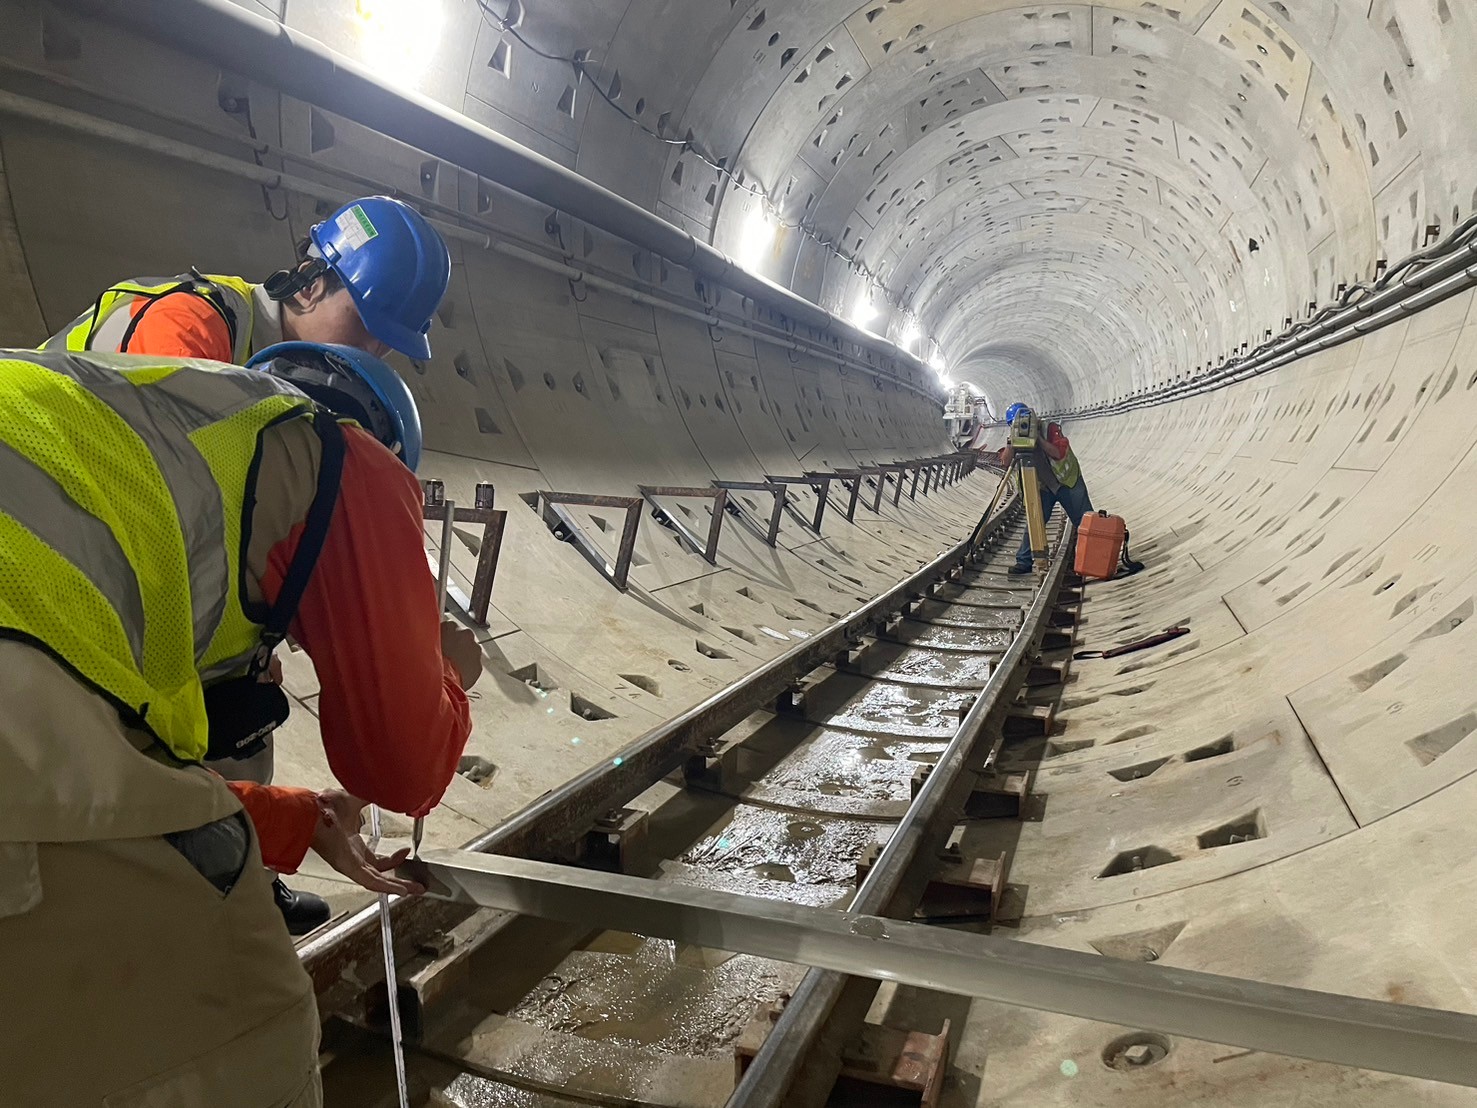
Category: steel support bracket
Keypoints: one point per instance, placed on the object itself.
(489, 548)
(707, 547)
(821, 486)
(771, 530)
(552, 507)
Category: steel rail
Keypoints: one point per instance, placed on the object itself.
(241, 41)
(895, 883)
(348, 950)
(1280, 1019)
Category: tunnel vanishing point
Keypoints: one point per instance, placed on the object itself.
(719, 266)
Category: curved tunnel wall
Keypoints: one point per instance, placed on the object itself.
(1070, 237)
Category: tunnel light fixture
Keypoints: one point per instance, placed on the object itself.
(938, 363)
(398, 38)
(908, 335)
(757, 239)
(864, 311)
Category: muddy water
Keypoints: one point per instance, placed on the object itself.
(467, 1091)
(966, 615)
(843, 765)
(784, 846)
(981, 640)
(657, 996)
(885, 708)
(933, 668)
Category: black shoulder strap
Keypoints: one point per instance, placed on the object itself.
(1130, 567)
(310, 545)
(196, 286)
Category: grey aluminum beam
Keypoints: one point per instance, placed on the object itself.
(240, 41)
(1300, 1023)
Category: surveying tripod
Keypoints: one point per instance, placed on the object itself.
(1024, 433)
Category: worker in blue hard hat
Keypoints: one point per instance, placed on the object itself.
(370, 276)
(168, 523)
(1058, 475)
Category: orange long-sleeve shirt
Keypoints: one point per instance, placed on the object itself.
(392, 712)
(179, 326)
(391, 709)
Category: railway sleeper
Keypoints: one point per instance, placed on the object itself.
(617, 842)
(1029, 721)
(961, 890)
(914, 1063)
(715, 766)
(994, 795)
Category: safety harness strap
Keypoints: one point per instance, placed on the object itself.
(310, 544)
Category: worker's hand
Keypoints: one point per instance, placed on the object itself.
(272, 675)
(459, 647)
(338, 842)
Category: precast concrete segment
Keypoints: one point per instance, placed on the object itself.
(1418, 1042)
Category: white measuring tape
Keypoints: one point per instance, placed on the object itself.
(387, 934)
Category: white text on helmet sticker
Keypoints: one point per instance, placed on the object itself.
(355, 227)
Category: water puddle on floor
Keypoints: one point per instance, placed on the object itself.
(653, 999)
(935, 668)
(967, 615)
(843, 764)
(896, 710)
(980, 639)
(753, 840)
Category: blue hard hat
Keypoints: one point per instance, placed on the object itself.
(1013, 411)
(394, 264)
(353, 383)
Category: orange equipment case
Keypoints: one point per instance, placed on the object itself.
(1100, 545)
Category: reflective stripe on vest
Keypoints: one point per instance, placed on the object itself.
(122, 491)
(107, 325)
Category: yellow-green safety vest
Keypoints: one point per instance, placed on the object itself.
(1067, 471)
(110, 322)
(123, 488)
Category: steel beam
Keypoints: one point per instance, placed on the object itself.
(1325, 1027)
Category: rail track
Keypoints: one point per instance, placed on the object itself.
(840, 774)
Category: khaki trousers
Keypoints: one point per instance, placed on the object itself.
(134, 983)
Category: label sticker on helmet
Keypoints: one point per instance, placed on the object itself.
(355, 227)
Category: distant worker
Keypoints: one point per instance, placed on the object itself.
(1059, 476)
(370, 276)
(161, 523)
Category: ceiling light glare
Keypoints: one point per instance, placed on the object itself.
(864, 310)
(398, 38)
(938, 363)
(757, 239)
(908, 335)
